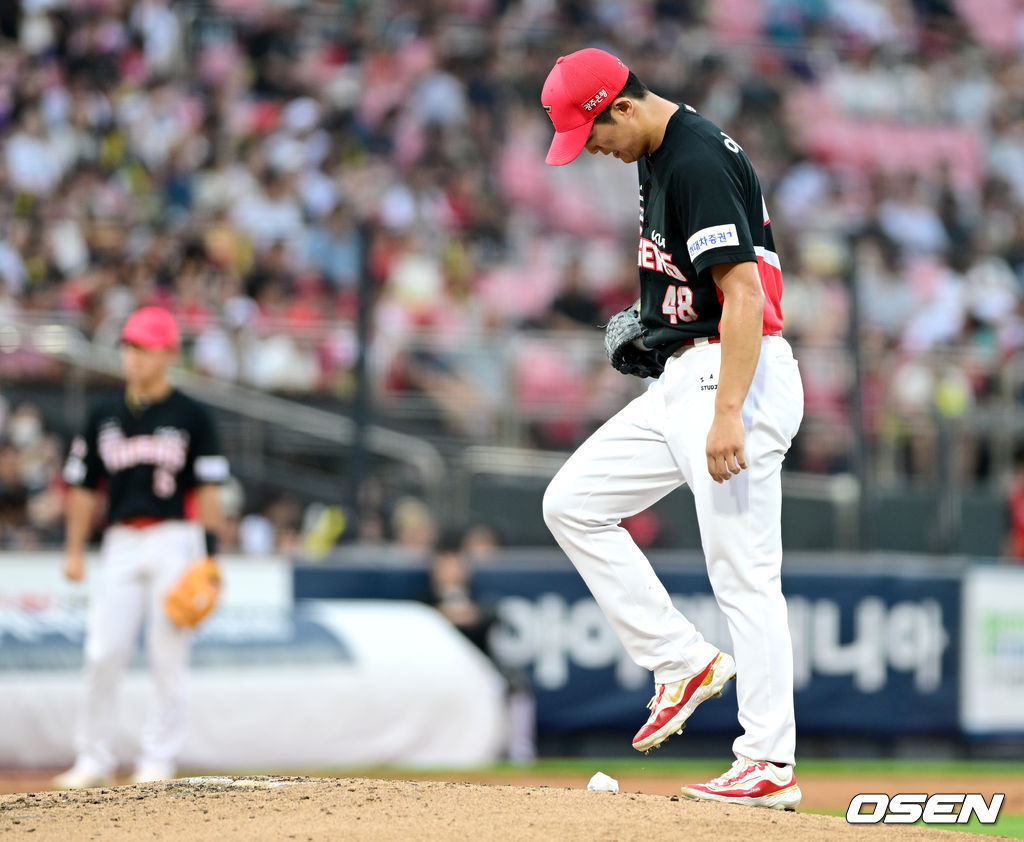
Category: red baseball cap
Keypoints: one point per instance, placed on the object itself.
(578, 88)
(152, 327)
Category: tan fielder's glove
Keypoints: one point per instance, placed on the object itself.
(195, 595)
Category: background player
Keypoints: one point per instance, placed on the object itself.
(152, 445)
(720, 418)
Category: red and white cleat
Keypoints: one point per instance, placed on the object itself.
(753, 783)
(673, 704)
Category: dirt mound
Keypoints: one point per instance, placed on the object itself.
(235, 809)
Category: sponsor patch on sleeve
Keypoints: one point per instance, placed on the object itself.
(712, 238)
(74, 467)
(74, 471)
(211, 469)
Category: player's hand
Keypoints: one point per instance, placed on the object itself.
(725, 446)
(74, 566)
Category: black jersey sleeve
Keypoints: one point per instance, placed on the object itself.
(206, 462)
(83, 467)
(711, 204)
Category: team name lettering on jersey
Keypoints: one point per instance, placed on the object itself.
(650, 256)
(166, 448)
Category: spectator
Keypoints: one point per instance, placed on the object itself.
(575, 306)
(272, 216)
(14, 533)
(414, 528)
(276, 528)
(451, 590)
(480, 543)
(31, 162)
(334, 247)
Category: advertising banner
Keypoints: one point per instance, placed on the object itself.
(876, 647)
(274, 686)
(993, 651)
(875, 654)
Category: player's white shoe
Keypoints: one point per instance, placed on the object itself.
(146, 773)
(83, 775)
(750, 783)
(672, 704)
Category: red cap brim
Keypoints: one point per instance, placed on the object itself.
(565, 146)
(151, 329)
(144, 339)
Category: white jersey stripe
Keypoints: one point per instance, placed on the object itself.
(769, 257)
(212, 469)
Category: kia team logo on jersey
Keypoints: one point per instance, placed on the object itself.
(651, 256)
(911, 807)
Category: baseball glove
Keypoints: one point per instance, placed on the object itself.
(623, 342)
(195, 595)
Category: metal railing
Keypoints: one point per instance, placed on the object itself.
(840, 492)
(70, 346)
(503, 379)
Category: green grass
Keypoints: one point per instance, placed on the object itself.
(672, 766)
(1011, 825)
(652, 764)
(914, 768)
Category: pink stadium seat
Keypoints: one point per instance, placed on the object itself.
(885, 146)
(993, 22)
(737, 21)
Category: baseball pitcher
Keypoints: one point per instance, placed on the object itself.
(720, 417)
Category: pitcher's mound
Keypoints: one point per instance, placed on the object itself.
(251, 809)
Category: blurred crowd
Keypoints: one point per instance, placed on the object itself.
(31, 499)
(251, 165)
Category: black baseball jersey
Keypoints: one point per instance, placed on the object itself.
(151, 456)
(700, 204)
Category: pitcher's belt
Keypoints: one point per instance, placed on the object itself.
(141, 521)
(708, 340)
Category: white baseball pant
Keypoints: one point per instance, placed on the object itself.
(137, 568)
(651, 447)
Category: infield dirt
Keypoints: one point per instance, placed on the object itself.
(228, 809)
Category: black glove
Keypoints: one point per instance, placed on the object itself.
(623, 342)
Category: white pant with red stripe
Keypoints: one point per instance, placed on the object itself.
(137, 568)
(651, 447)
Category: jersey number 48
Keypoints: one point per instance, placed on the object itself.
(678, 304)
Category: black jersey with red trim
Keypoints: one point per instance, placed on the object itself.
(150, 456)
(700, 205)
